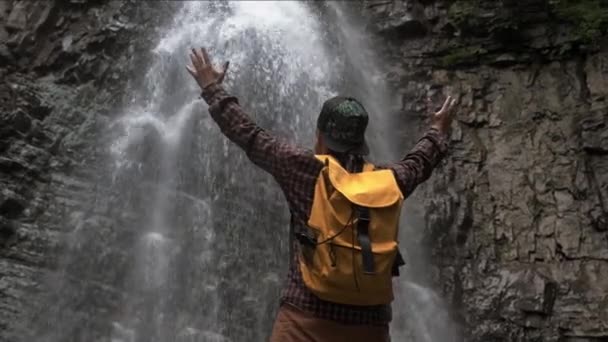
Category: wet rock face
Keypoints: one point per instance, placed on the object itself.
(516, 217)
(63, 68)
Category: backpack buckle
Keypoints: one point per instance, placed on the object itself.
(306, 240)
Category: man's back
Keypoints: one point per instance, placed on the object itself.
(296, 171)
(303, 316)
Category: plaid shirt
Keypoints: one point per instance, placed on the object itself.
(296, 170)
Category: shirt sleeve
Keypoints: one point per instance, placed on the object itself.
(270, 153)
(417, 166)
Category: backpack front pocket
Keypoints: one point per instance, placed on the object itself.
(337, 273)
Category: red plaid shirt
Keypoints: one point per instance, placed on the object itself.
(296, 170)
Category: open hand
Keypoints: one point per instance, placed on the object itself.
(442, 119)
(203, 71)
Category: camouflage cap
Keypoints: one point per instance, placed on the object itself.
(342, 123)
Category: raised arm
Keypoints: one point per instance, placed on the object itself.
(262, 148)
(418, 164)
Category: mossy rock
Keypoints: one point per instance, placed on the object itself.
(462, 55)
(464, 14)
(482, 18)
(589, 17)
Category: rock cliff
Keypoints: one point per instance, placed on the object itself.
(64, 67)
(516, 217)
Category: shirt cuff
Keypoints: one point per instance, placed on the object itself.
(212, 93)
(439, 139)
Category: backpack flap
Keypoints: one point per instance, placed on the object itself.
(371, 189)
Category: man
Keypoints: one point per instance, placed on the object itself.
(338, 287)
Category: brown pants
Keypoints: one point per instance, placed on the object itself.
(295, 325)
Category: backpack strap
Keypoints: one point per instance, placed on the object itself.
(363, 217)
(303, 233)
(364, 240)
(397, 263)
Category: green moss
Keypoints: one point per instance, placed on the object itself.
(590, 17)
(464, 13)
(462, 55)
(480, 18)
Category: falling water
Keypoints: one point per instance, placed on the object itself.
(233, 286)
(420, 314)
(198, 246)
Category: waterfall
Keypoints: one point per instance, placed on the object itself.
(419, 314)
(198, 244)
(243, 222)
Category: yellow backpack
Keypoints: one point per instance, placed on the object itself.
(354, 223)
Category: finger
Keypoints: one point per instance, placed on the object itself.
(200, 63)
(191, 70)
(453, 107)
(206, 56)
(431, 108)
(195, 63)
(193, 58)
(445, 105)
(225, 69)
(449, 103)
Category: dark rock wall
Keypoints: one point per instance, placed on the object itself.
(64, 68)
(516, 217)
